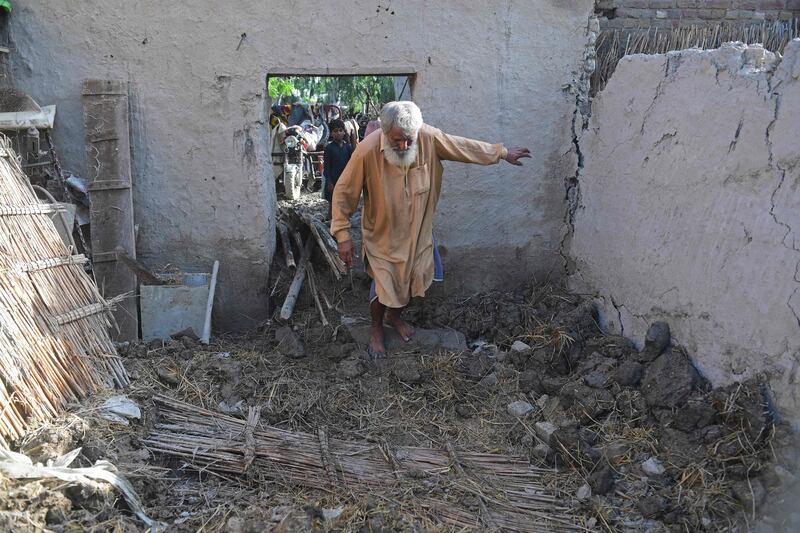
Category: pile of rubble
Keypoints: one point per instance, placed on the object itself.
(626, 439)
(654, 444)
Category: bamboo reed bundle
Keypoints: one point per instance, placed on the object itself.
(612, 45)
(54, 342)
(511, 494)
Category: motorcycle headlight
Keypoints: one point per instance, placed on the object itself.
(291, 142)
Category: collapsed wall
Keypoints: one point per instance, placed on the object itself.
(689, 204)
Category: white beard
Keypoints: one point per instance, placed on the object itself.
(400, 159)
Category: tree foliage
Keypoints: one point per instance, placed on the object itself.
(350, 91)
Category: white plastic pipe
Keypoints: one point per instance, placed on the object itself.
(206, 337)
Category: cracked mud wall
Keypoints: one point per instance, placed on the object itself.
(202, 179)
(690, 209)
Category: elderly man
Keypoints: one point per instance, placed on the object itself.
(399, 170)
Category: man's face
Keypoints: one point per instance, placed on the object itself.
(401, 149)
(337, 134)
(400, 141)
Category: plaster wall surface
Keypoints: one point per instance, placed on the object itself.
(202, 179)
(690, 208)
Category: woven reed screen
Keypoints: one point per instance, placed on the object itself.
(54, 341)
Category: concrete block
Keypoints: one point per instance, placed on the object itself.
(661, 14)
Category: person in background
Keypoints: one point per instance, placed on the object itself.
(337, 154)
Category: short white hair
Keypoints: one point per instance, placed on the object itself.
(404, 114)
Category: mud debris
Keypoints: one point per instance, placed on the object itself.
(640, 440)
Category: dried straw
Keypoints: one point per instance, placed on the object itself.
(509, 491)
(612, 45)
(54, 343)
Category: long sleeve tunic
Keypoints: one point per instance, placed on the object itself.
(399, 204)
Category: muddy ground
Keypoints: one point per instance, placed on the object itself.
(636, 440)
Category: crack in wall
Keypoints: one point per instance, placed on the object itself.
(659, 92)
(788, 229)
(618, 308)
(580, 87)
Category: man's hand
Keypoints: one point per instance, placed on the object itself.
(515, 154)
(346, 252)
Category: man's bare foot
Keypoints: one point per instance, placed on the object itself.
(376, 345)
(401, 326)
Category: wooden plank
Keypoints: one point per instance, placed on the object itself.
(105, 116)
(297, 282)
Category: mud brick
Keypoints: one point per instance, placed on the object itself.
(633, 13)
(693, 22)
(771, 4)
(760, 5)
(634, 23)
(662, 4)
(711, 14)
(660, 23)
(613, 24)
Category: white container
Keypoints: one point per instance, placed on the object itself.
(168, 309)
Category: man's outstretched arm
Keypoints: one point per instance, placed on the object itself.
(461, 149)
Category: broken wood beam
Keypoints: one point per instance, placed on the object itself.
(283, 232)
(312, 284)
(297, 282)
(141, 272)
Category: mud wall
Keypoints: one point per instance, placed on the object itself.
(689, 206)
(202, 184)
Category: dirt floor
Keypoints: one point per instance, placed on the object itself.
(628, 440)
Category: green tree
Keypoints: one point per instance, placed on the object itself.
(351, 91)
